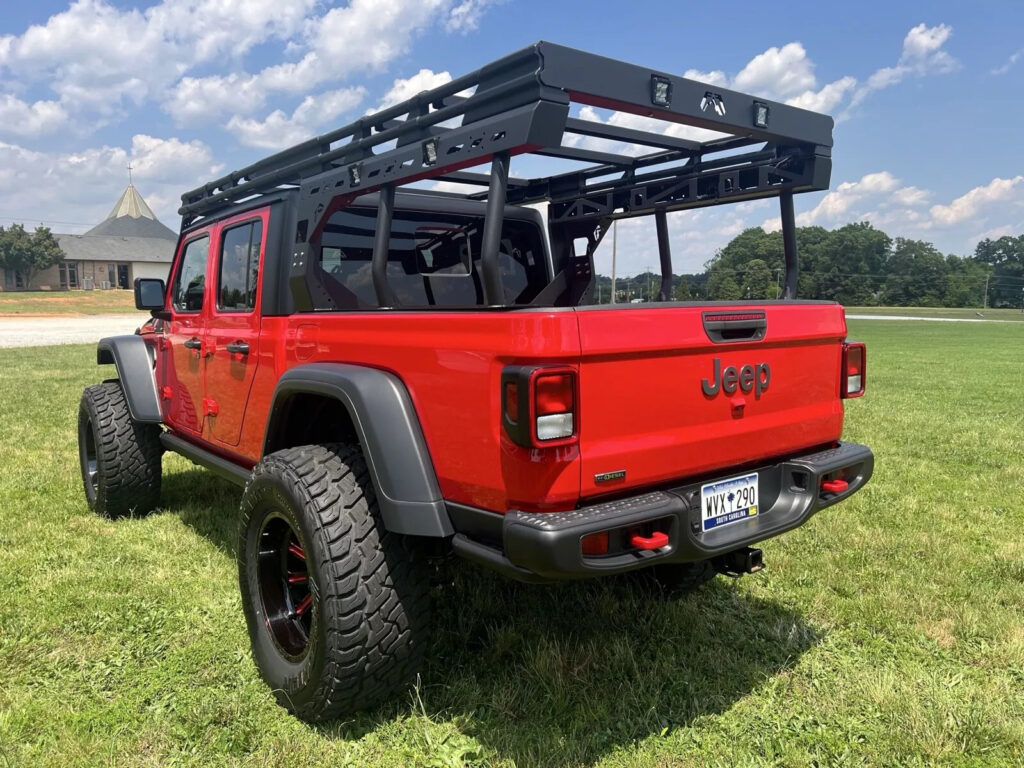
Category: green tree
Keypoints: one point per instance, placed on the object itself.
(849, 265)
(28, 253)
(916, 275)
(722, 286)
(682, 291)
(757, 281)
(1005, 256)
(965, 282)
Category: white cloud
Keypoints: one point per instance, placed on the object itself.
(922, 55)
(364, 35)
(82, 186)
(1009, 63)
(406, 88)
(716, 77)
(198, 100)
(99, 59)
(279, 130)
(22, 119)
(976, 201)
(990, 210)
(911, 197)
(777, 73)
(465, 17)
(847, 201)
(827, 98)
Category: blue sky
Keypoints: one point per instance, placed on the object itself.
(929, 97)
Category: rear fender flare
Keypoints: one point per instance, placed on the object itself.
(134, 363)
(389, 432)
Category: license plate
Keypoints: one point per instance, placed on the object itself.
(728, 501)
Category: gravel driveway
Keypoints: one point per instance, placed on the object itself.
(47, 331)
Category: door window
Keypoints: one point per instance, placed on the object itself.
(191, 280)
(239, 267)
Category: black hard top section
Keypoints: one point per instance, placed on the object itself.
(524, 103)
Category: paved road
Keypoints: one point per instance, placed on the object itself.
(47, 331)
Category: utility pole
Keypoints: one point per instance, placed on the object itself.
(985, 302)
(648, 282)
(615, 238)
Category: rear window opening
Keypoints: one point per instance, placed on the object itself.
(433, 260)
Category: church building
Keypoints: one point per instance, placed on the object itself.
(131, 242)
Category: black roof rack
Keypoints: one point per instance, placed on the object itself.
(634, 164)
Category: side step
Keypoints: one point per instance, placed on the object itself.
(217, 464)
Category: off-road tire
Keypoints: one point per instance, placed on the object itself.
(118, 456)
(681, 578)
(369, 625)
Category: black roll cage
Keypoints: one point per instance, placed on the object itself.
(520, 104)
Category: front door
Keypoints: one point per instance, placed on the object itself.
(181, 348)
(231, 345)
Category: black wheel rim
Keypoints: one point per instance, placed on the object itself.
(89, 460)
(285, 591)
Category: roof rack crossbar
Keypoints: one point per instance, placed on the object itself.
(628, 135)
(519, 104)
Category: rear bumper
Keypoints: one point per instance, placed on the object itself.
(546, 546)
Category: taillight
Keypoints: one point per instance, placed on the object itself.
(554, 402)
(854, 369)
(539, 405)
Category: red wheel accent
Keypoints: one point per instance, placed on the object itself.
(284, 586)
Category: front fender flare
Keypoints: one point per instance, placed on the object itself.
(135, 370)
(389, 432)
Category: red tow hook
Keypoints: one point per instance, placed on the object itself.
(834, 486)
(656, 540)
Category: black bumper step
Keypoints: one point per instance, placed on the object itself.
(546, 546)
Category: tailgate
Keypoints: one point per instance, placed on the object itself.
(660, 400)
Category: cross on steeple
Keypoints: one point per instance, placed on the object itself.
(129, 172)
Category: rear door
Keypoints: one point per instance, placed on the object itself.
(181, 346)
(231, 343)
(680, 391)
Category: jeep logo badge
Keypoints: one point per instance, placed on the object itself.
(749, 378)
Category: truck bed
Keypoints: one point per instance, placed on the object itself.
(642, 407)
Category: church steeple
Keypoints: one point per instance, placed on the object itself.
(132, 217)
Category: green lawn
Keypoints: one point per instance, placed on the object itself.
(66, 302)
(971, 313)
(888, 631)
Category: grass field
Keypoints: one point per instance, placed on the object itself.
(969, 313)
(888, 631)
(66, 302)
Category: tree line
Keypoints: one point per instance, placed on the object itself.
(856, 265)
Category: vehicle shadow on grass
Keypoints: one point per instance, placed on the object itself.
(205, 503)
(560, 674)
(564, 674)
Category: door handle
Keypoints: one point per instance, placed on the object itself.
(193, 343)
(237, 348)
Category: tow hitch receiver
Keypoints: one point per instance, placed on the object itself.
(740, 561)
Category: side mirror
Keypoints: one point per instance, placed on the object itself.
(149, 293)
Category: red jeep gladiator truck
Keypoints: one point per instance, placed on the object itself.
(394, 375)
